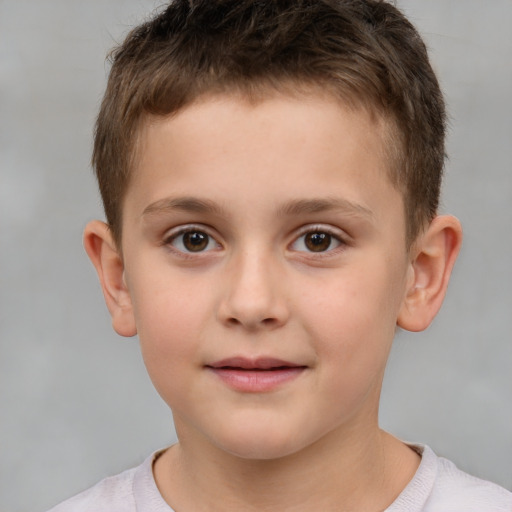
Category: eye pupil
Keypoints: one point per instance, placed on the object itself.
(317, 242)
(195, 241)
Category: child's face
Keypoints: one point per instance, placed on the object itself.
(266, 264)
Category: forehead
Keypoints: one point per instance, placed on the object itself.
(273, 96)
(281, 145)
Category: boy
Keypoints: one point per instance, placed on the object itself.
(270, 172)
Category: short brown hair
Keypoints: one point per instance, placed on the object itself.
(364, 51)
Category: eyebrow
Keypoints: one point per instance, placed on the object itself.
(294, 207)
(185, 204)
(303, 206)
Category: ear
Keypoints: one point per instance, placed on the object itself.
(107, 260)
(432, 258)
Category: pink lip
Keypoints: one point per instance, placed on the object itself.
(255, 375)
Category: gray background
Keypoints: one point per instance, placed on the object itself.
(76, 404)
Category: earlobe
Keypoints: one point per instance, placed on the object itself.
(432, 259)
(107, 260)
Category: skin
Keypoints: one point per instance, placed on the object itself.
(257, 182)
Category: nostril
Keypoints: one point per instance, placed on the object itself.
(253, 324)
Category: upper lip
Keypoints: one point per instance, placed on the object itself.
(247, 363)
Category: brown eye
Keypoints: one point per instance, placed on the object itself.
(193, 240)
(317, 242)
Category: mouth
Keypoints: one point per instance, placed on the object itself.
(255, 375)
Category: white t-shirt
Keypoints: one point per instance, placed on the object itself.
(437, 486)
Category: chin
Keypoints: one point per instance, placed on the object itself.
(261, 443)
(260, 451)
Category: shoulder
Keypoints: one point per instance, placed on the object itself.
(457, 490)
(114, 494)
(439, 486)
(134, 489)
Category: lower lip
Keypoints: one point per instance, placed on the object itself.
(257, 381)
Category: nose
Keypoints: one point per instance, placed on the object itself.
(253, 296)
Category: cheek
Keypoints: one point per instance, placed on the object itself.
(353, 320)
(170, 320)
(351, 329)
(167, 305)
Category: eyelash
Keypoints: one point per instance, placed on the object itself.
(173, 237)
(334, 238)
(182, 232)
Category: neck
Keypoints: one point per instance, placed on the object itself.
(362, 472)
